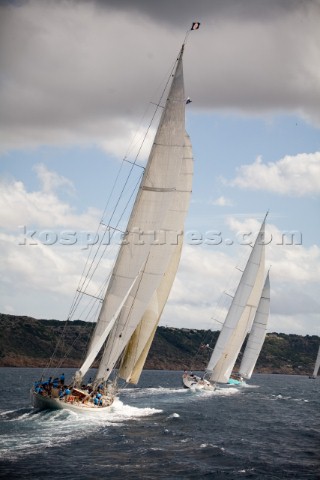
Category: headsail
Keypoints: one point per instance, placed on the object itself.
(240, 314)
(94, 349)
(257, 334)
(138, 348)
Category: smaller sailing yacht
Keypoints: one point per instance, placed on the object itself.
(316, 367)
(250, 297)
(143, 272)
(195, 383)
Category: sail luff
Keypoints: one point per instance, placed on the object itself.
(257, 334)
(219, 364)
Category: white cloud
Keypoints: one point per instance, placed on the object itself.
(222, 202)
(140, 142)
(43, 208)
(42, 267)
(292, 175)
(51, 181)
(41, 280)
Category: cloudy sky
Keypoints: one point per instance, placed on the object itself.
(77, 84)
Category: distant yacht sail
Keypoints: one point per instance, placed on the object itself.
(257, 333)
(317, 366)
(238, 321)
(240, 314)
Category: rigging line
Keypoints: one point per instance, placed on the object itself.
(109, 227)
(67, 353)
(80, 285)
(125, 326)
(61, 338)
(94, 302)
(216, 320)
(88, 279)
(90, 310)
(83, 279)
(90, 330)
(99, 291)
(97, 230)
(135, 164)
(90, 295)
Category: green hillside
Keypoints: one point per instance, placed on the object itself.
(27, 342)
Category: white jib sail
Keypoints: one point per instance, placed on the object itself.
(257, 334)
(220, 364)
(317, 365)
(148, 218)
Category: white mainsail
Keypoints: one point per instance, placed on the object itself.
(240, 315)
(153, 215)
(317, 365)
(137, 350)
(257, 333)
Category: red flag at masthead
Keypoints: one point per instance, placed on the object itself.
(195, 26)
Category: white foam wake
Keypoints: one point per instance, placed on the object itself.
(29, 432)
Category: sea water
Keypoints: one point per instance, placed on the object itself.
(269, 429)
